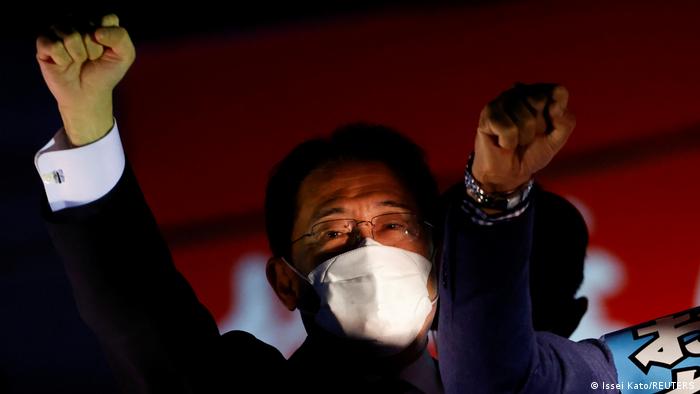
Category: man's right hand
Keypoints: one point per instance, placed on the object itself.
(81, 71)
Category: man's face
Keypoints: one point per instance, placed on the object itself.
(352, 190)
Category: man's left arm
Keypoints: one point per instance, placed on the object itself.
(487, 341)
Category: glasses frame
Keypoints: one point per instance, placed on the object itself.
(358, 222)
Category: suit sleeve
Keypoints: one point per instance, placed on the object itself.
(486, 339)
(157, 335)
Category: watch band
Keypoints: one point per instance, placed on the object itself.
(502, 201)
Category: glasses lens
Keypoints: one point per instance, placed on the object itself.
(395, 228)
(331, 234)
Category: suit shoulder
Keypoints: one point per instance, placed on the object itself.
(247, 345)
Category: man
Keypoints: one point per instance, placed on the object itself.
(351, 224)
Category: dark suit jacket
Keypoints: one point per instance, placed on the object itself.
(486, 339)
(159, 338)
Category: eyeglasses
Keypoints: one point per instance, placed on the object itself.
(394, 228)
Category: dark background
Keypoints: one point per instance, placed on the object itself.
(284, 73)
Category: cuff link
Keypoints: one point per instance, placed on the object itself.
(53, 176)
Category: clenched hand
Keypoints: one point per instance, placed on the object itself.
(81, 70)
(519, 133)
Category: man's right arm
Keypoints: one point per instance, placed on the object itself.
(157, 335)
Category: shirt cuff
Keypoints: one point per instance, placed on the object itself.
(75, 176)
(478, 216)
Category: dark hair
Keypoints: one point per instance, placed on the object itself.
(354, 142)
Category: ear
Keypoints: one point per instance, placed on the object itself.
(284, 282)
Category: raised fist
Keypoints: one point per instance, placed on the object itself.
(519, 133)
(81, 70)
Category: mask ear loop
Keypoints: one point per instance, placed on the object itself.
(433, 266)
(296, 271)
(309, 304)
(432, 330)
(435, 341)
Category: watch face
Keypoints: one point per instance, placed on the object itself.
(513, 202)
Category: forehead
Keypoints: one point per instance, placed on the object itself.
(357, 188)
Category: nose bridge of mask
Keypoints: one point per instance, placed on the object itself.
(366, 258)
(370, 242)
(318, 274)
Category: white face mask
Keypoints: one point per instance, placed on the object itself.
(373, 293)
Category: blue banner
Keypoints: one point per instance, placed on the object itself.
(660, 356)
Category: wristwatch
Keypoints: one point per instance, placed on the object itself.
(502, 201)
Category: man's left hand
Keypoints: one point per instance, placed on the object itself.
(519, 133)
